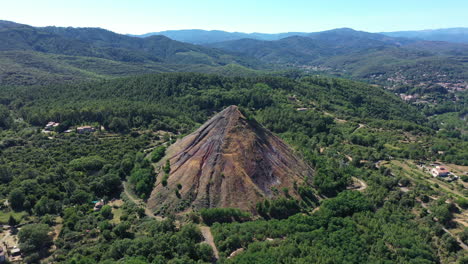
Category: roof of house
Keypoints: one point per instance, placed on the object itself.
(52, 124)
(441, 169)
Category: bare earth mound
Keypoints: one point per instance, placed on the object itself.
(230, 161)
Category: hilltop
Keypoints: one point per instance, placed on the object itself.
(227, 156)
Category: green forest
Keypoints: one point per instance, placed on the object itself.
(51, 181)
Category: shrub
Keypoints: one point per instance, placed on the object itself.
(223, 215)
(463, 203)
(106, 212)
(92, 163)
(158, 153)
(34, 238)
(345, 204)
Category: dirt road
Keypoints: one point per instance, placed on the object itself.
(460, 242)
(206, 232)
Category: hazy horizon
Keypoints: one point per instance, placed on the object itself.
(144, 16)
(242, 32)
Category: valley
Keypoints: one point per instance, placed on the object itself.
(338, 146)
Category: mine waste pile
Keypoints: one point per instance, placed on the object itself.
(230, 161)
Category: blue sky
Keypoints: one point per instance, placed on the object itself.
(268, 16)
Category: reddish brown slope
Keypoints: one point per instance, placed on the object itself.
(230, 161)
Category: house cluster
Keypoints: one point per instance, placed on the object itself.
(50, 126)
(410, 97)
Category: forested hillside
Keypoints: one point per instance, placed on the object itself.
(392, 62)
(30, 55)
(361, 140)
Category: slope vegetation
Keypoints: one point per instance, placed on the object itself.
(33, 55)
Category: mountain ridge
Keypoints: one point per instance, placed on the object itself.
(200, 36)
(456, 35)
(31, 55)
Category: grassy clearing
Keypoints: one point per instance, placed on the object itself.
(117, 213)
(410, 170)
(5, 215)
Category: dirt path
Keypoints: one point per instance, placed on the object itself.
(206, 232)
(362, 183)
(460, 242)
(358, 185)
(359, 127)
(139, 202)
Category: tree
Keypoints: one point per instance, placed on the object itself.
(5, 119)
(205, 252)
(345, 204)
(16, 199)
(282, 208)
(442, 213)
(121, 230)
(12, 221)
(91, 163)
(5, 174)
(167, 167)
(158, 153)
(34, 238)
(106, 212)
(118, 124)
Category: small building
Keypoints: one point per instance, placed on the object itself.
(98, 205)
(85, 129)
(302, 109)
(50, 126)
(15, 255)
(440, 171)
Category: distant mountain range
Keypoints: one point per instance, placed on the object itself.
(458, 35)
(32, 55)
(198, 36)
(362, 55)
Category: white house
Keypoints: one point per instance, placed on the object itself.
(440, 171)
